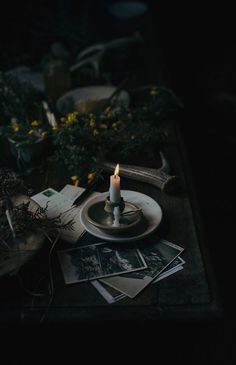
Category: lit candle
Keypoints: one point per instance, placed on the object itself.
(115, 186)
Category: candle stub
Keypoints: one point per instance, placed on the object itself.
(116, 215)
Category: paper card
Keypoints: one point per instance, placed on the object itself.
(157, 256)
(72, 192)
(99, 260)
(59, 204)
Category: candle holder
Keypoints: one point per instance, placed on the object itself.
(143, 212)
(109, 206)
(101, 215)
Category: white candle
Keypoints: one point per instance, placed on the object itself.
(115, 186)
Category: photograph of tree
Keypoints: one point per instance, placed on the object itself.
(100, 260)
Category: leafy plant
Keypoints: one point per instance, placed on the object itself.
(84, 141)
(22, 116)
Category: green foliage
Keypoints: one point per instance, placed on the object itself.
(18, 100)
(83, 141)
(21, 110)
(10, 184)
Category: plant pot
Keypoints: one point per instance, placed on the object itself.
(27, 156)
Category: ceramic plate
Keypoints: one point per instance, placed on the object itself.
(151, 211)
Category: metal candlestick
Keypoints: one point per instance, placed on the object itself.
(100, 215)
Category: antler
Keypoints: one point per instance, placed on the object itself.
(157, 177)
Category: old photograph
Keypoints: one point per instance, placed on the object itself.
(112, 295)
(99, 260)
(158, 256)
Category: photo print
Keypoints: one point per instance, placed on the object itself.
(99, 260)
(112, 295)
(157, 257)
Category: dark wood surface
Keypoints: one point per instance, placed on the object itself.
(190, 294)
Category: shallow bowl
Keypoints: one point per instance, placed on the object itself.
(130, 217)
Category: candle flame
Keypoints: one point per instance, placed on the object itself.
(117, 169)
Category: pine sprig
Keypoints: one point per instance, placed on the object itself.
(23, 219)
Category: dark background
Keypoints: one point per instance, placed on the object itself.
(195, 46)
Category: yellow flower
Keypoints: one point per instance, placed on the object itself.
(71, 117)
(103, 125)
(153, 91)
(91, 176)
(114, 126)
(35, 123)
(75, 180)
(74, 177)
(16, 128)
(31, 131)
(107, 110)
(44, 134)
(92, 122)
(63, 119)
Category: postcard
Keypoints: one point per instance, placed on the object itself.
(157, 256)
(62, 203)
(99, 260)
(72, 192)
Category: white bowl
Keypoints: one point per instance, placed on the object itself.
(87, 99)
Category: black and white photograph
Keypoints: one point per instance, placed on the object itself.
(157, 257)
(99, 260)
(112, 295)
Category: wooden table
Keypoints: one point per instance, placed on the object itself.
(188, 295)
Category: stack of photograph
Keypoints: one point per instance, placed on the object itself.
(120, 270)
